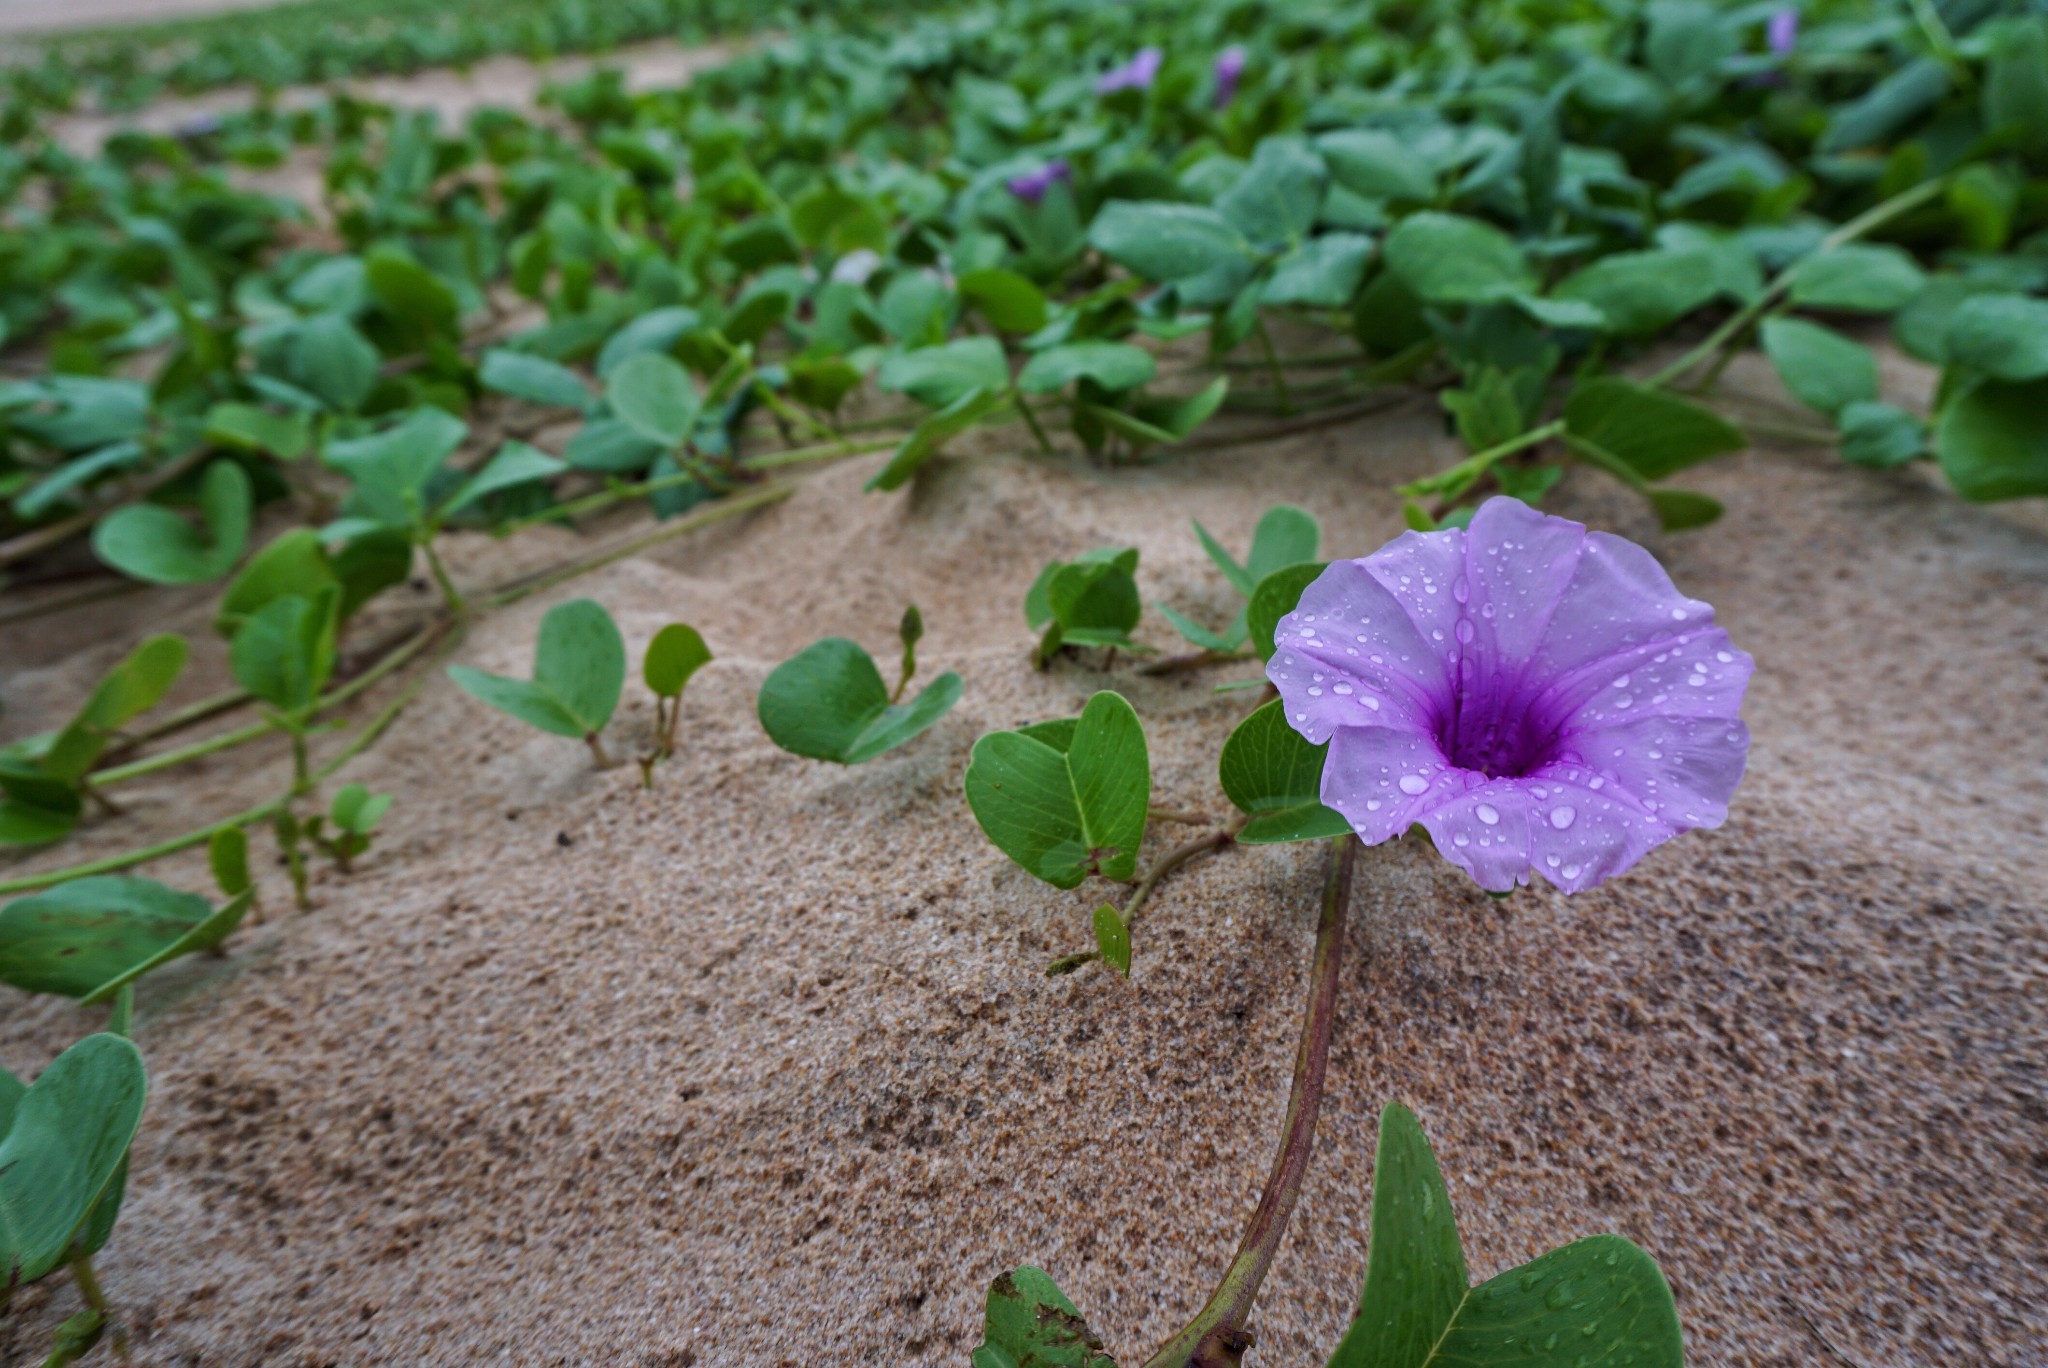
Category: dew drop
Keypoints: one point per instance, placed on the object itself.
(1724, 657)
(1413, 784)
(1461, 840)
(1621, 681)
(1315, 692)
(1678, 614)
(1562, 817)
(1488, 814)
(1623, 701)
(1340, 688)
(1372, 805)
(1570, 871)
(1465, 629)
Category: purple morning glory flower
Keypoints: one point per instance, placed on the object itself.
(1539, 697)
(1031, 186)
(1230, 65)
(1136, 74)
(1781, 32)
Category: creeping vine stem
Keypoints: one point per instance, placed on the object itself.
(1217, 1337)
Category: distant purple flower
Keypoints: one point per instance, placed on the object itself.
(1229, 70)
(1538, 696)
(1031, 186)
(1781, 32)
(1136, 74)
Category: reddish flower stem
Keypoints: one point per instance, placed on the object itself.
(1216, 1337)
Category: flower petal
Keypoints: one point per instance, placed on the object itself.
(1383, 778)
(1618, 598)
(1518, 563)
(1698, 674)
(1419, 569)
(1484, 830)
(1679, 770)
(1349, 631)
(1585, 829)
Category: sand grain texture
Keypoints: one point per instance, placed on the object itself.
(761, 1068)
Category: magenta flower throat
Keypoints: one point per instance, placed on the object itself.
(1537, 696)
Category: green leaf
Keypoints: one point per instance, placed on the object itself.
(409, 290)
(97, 933)
(1007, 300)
(1166, 242)
(1273, 598)
(1092, 601)
(1029, 1323)
(935, 431)
(1596, 1303)
(248, 428)
(2016, 83)
(391, 468)
(1199, 635)
(828, 702)
(1656, 434)
(515, 464)
(1824, 370)
(579, 669)
(1324, 272)
(217, 927)
(150, 542)
(1448, 259)
(127, 691)
(655, 397)
(1880, 436)
(1271, 772)
(1112, 365)
(284, 653)
(655, 331)
(1993, 440)
(1678, 510)
(1113, 939)
(2003, 335)
(71, 1132)
(1378, 165)
(1886, 107)
(1276, 201)
(534, 379)
(676, 653)
(294, 563)
(1644, 292)
(1062, 815)
(941, 376)
(1285, 536)
(227, 855)
(1858, 278)
(334, 361)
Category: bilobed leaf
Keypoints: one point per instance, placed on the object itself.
(391, 468)
(1272, 773)
(1274, 598)
(654, 396)
(1857, 278)
(127, 691)
(333, 360)
(249, 428)
(1992, 440)
(2003, 335)
(1112, 365)
(579, 669)
(1029, 1323)
(534, 379)
(1823, 369)
(1644, 292)
(1449, 259)
(1655, 433)
(677, 652)
(1166, 242)
(70, 1133)
(941, 376)
(153, 543)
(1596, 1303)
(1062, 814)
(1276, 201)
(1378, 165)
(98, 932)
(933, 432)
(828, 702)
(294, 563)
(356, 809)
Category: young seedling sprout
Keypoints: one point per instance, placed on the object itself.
(579, 669)
(676, 653)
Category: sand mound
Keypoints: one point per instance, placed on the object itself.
(761, 1067)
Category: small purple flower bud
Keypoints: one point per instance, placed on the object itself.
(1031, 186)
(1782, 31)
(1136, 74)
(1230, 65)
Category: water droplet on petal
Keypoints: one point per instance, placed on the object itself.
(1623, 701)
(1461, 840)
(1465, 629)
(1562, 817)
(1724, 657)
(1570, 871)
(1488, 814)
(1413, 784)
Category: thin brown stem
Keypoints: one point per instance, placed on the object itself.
(1217, 1337)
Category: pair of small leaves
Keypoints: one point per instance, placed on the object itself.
(87, 937)
(395, 473)
(1067, 798)
(63, 1151)
(298, 562)
(353, 815)
(1595, 1303)
(579, 670)
(1089, 601)
(153, 543)
(828, 701)
(1285, 536)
